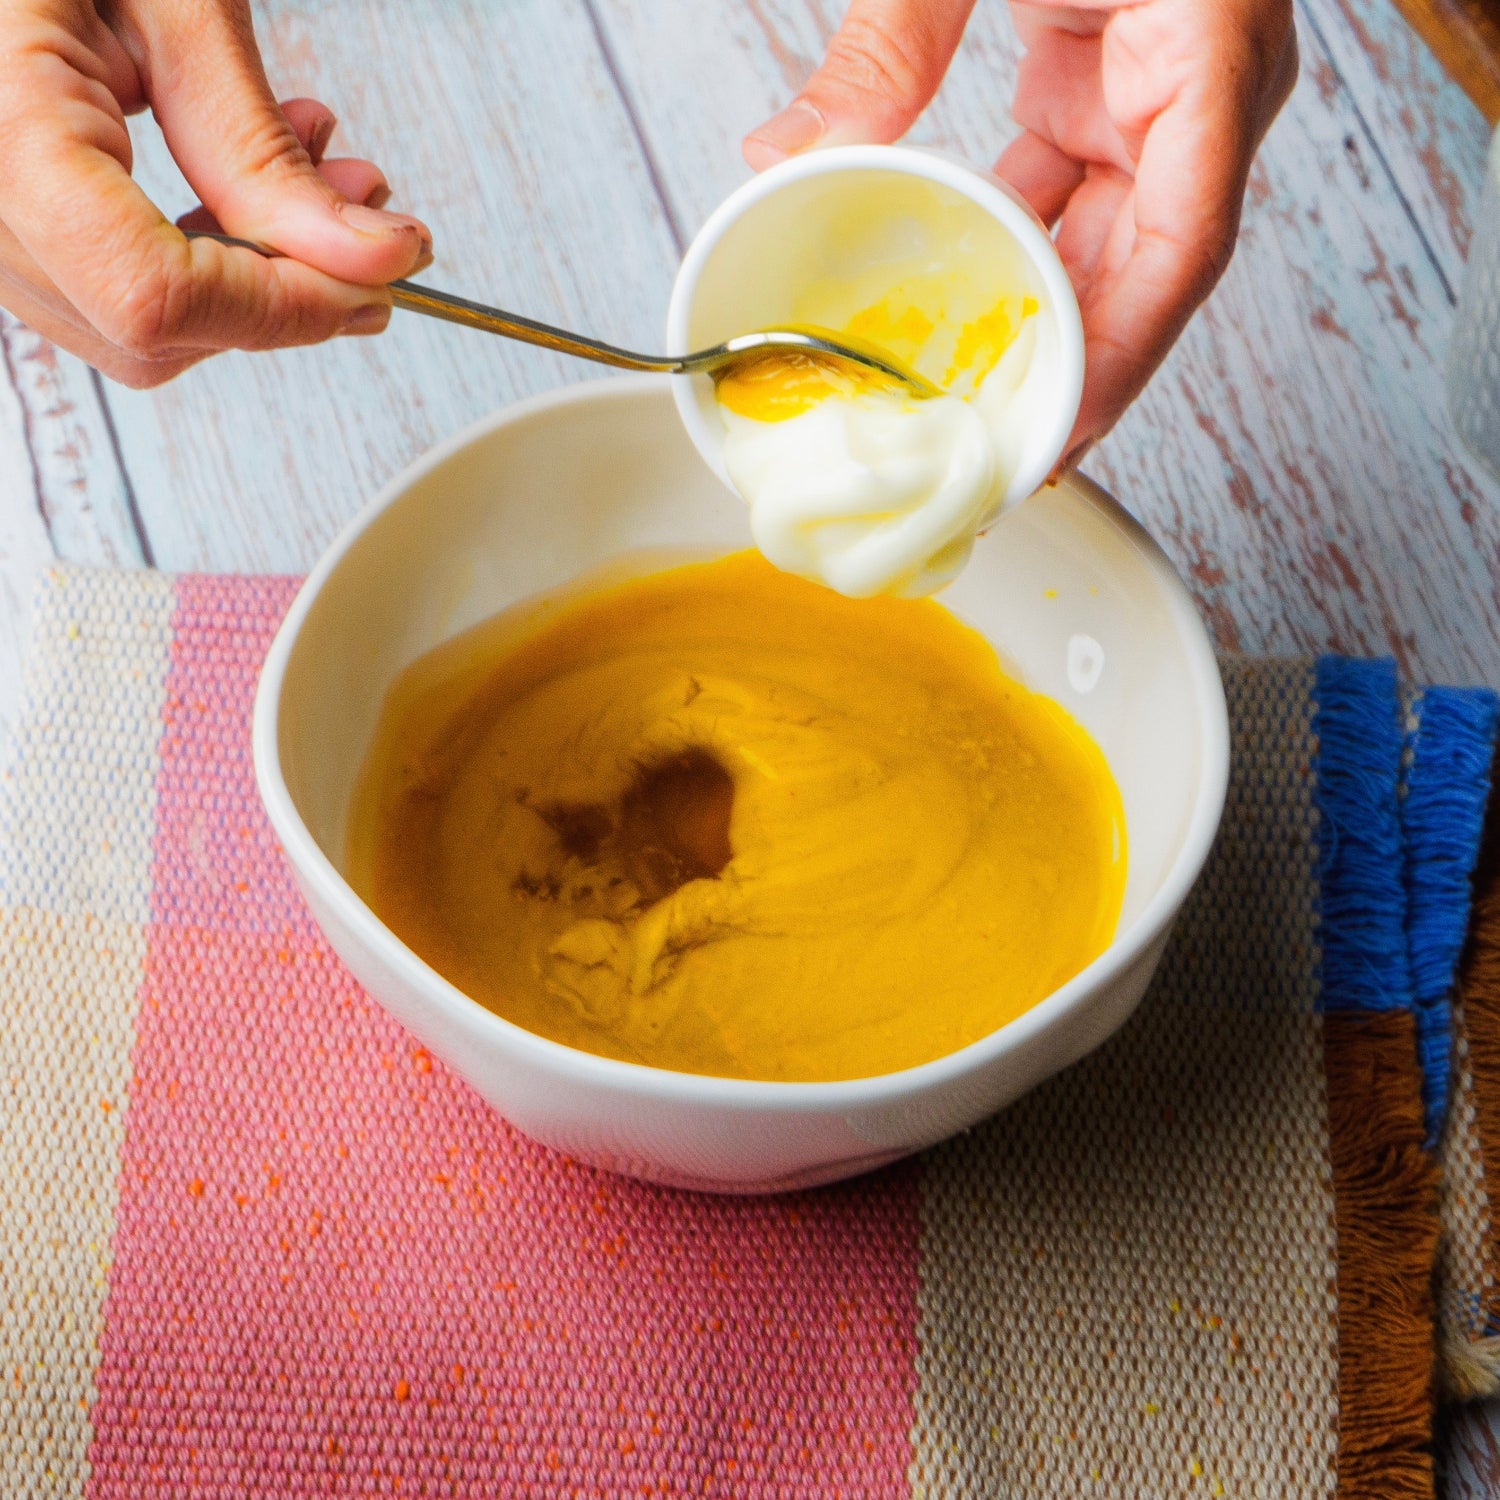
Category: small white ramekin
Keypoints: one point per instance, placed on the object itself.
(739, 275)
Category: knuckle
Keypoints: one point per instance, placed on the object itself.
(869, 59)
(267, 145)
(1208, 255)
(286, 315)
(277, 321)
(150, 314)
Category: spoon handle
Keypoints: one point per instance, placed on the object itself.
(435, 304)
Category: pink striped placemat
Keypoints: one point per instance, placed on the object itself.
(260, 1242)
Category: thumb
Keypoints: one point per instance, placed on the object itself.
(241, 155)
(882, 68)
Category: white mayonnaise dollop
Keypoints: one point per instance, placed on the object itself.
(871, 490)
(877, 494)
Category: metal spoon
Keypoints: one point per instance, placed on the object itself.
(841, 347)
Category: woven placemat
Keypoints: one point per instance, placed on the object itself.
(1469, 1262)
(260, 1243)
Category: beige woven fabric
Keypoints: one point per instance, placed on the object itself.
(72, 923)
(1133, 1268)
(1466, 1279)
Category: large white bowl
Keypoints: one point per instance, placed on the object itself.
(1078, 600)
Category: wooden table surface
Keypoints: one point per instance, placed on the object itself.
(1294, 455)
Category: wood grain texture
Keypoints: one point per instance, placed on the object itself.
(78, 484)
(1428, 134)
(62, 491)
(1468, 1447)
(1465, 37)
(501, 125)
(1293, 454)
(24, 548)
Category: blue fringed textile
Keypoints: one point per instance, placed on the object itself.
(1451, 746)
(1362, 901)
(1400, 819)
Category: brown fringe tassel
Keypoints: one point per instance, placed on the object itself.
(1479, 992)
(1385, 1201)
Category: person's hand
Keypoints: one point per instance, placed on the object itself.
(86, 258)
(1139, 122)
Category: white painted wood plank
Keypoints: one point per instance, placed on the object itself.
(499, 124)
(1293, 455)
(1469, 1454)
(725, 66)
(1429, 132)
(25, 548)
(80, 491)
(61, 488)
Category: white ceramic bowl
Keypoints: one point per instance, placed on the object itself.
(1077, 598)
(762, 245)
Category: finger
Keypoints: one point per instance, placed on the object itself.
(1044, 176)
(1081, 17)
(28, 292)
(1100, 209)
(137, 281)
(1060, 97)
(240, 153)
(312, 123)
(1189, 84)
(1159, 259)
(89, 346)
(882, 67)
(117, 69)
(358, 181)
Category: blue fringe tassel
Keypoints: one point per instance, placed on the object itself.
(1362, 896)
(1447, 786)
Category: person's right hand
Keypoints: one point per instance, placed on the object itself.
(88, 260)
(1139, 120)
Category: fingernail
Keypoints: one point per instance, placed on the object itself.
(797, 127)
(371, 318)
(379, 197)
(376, 221)
(322, 133)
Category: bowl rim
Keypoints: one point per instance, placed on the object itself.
(992, 193)
(643, 1081)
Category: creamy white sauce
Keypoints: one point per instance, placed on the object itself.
(881, 492)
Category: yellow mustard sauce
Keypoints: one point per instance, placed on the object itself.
(910, 322)
(722, 820)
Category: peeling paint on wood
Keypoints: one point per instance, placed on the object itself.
(1431, 135)
(79, 488)
(24, 548)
